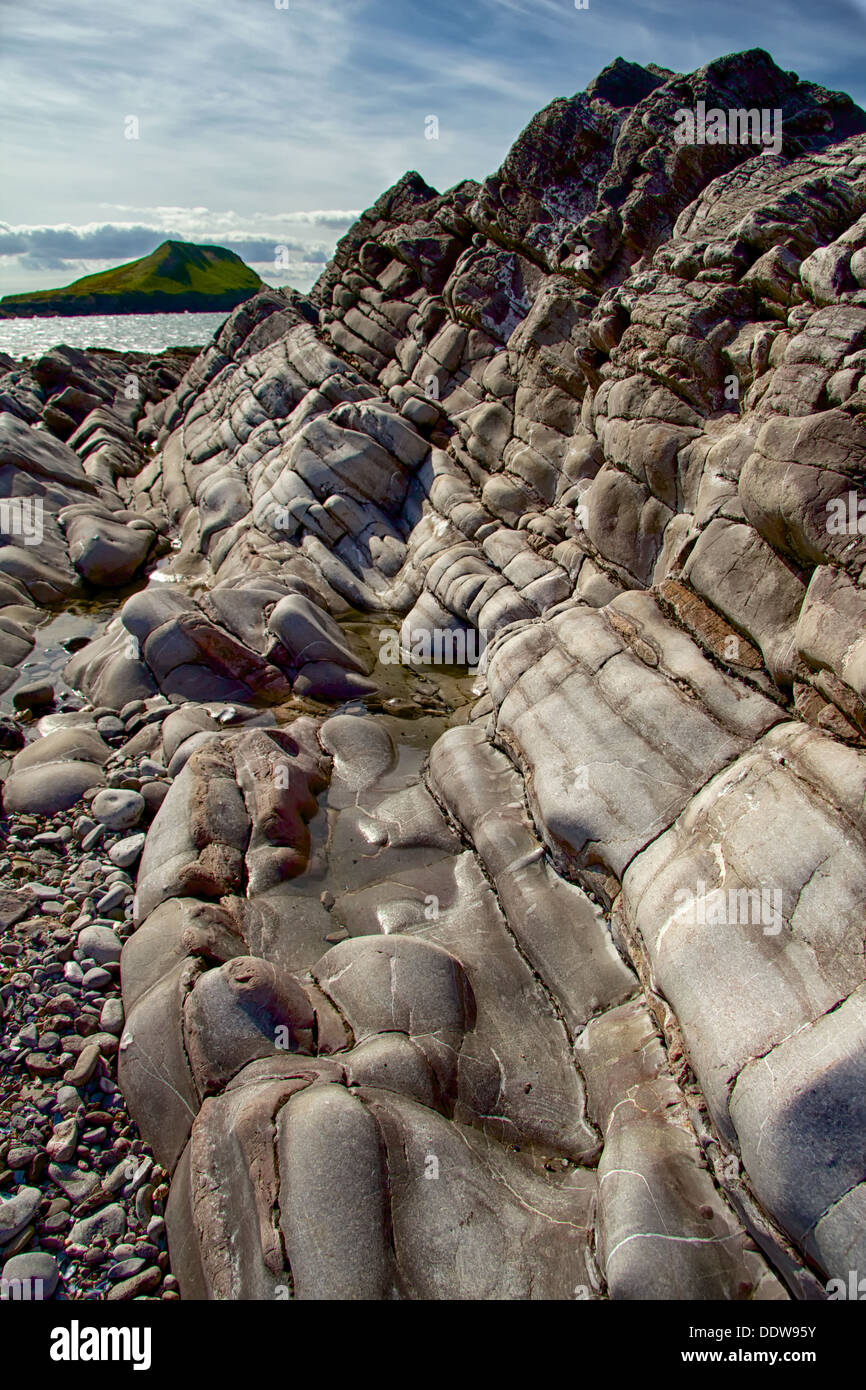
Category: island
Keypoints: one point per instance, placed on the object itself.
(177, 277)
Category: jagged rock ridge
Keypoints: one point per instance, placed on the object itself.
(598, 409)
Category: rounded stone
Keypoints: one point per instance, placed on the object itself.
(118, 809)
(37, 696)
(36, 1270)
(125, 852)
(51, 787)
(17, 1212)
(100, 944)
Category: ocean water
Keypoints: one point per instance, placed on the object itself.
(123, 332)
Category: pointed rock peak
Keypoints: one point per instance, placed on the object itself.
(625, 84)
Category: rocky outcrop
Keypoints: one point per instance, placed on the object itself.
(566, 999)
(67, 440)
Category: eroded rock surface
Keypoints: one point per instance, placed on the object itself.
(565, 1000)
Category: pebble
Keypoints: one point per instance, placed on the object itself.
(140, 1283)
(125, 1269)
(116, 895)
(154, 794)
(17, 1212)
(44, 892)
(100, 944)
(108, 1223)
(63, 1142)
(151, 768)
(109, 726)
(33, 1266)
(39, 1065)
(77, 1183)
(117, 809)
(35, 697)
(111, 1015)
(97, 978)
(127, 851)
(68, 1100)
(21, 1156)
(83, 826)
(93, 837)
(51, 839)
(81, 1072)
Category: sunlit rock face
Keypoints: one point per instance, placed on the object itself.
(511, 1013)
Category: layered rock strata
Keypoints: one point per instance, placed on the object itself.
(596, 1024)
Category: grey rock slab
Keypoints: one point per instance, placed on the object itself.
(308, 634)
(664, 1232)
(757, 887)
(153, 1070)
(520, 1080)
(561, 931)
(362, 749)
(611, 747)
(63, 745)
(469, 1221)
(735, 570)
(800, 1114)
(332, 1197)
(242, 1010)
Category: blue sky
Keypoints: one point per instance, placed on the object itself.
(271, 122)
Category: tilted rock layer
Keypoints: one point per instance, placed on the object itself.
(599, 1027)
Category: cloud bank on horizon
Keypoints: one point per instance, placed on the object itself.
(254, 124)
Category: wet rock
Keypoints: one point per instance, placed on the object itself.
(104, 551)
(35, 697)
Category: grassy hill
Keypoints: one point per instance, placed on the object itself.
(177, 276)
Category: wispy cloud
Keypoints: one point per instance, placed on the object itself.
(249, 115)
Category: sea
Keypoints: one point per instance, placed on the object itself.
(123, 332)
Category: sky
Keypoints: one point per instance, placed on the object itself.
(255, 124)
